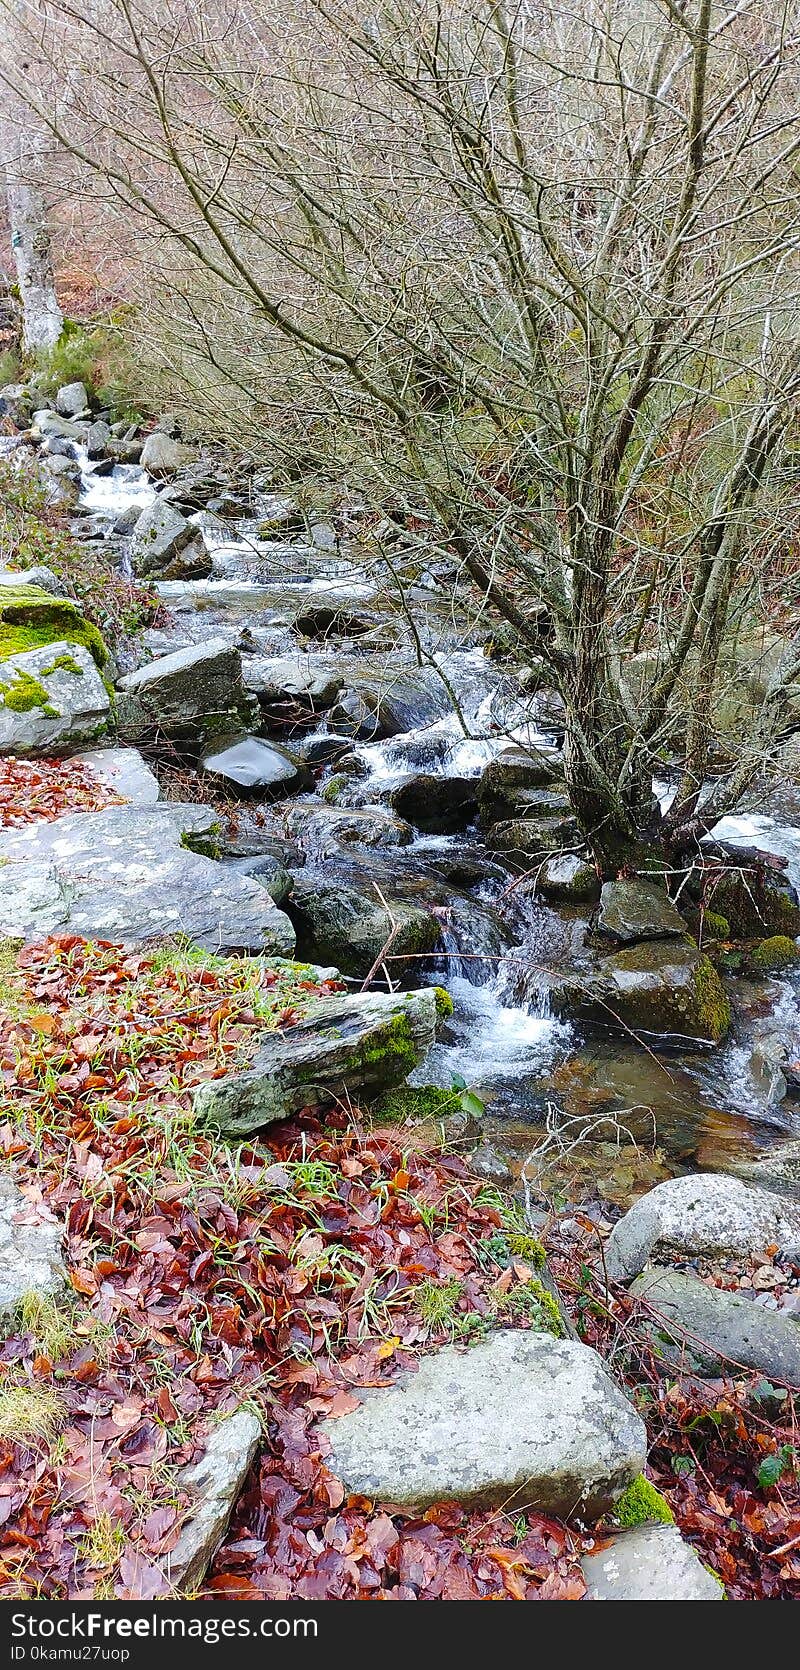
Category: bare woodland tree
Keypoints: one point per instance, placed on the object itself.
(532, 267)
(25, 146)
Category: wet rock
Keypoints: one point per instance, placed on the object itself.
(214, 1483)
(125, 773)
(734, 1330)
(323, 830)
(505, 781)
(390, 702)
(130, 874)
(124, 451)
(437, 805)
(30, 1248)
(162, 456)
(650, 1562)
(344, 1046)
(164, 543)
(47, 423)
(337, 923)
(72, 400)
(767, 1062)
(266, 869)
(314, 681)
(125, 523)
(756, 902)
(251, 766)
(708, 1215)
(662, 988)
(636, 910)
(52, 699)
(193, 693)
(530, 838)
(567, 877)
(520, 1417)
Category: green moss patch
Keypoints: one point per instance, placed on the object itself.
(25, 693)
(713, 1008)
(773, 955)
(642, 1504)
(418, 1102)
(30, 619)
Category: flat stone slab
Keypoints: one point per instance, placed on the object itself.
(69, 703)
(214, 1482)
(360, 1042)
(128, 875)
(124, 772)
(707, 1214)
(650, 1562)
(521, 1418)
(30, 1248)
(736, 1330)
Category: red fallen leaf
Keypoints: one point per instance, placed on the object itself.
(139, 1579)
(83, 1282)
(165, 1405)
(227, 1583)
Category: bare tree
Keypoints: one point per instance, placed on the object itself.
(25, 146)
(533, 268)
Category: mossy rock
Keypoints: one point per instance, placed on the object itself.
(755, 904)
(642, 1504)
(665, 988)
(415, 1102)
(773, 955)
(31, 618)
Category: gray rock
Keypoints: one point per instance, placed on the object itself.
(362, 1043)
(164, 456)
(438, 805)
(39, 576)
(567, 877)
(506, 780)
(313, 680)
(268, 871)
(251, 766)
(215, 1483)
(126, 521)
(734, 1329)
(125, 773)
(72, 400)
(324, 830)
(46, 423)
(778, 1169)
(16, 402)
(532, 838)
(338, 923)
(486, 1162)
(98, 439)
(707, 1214)
(650, 1562)
(124, 452)
(634, 910)
(128, 874)
(163, 542)
(69, 701)
(192, 692)
(519, 1418)
(30, 1248)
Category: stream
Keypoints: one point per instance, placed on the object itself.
(704, 1108)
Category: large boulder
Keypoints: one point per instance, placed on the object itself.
(358, 1044)
(778, 1169)
(52, 700)
(30, 1248)
(633, 910)
(649, 1562)
(390, 701)
(248, 765)
(567, 877)
(436, 804)
(165, 544)
(16, 402)
(519, 1418)
(507, 780)
(661, 988)
(546, 827)
(323, 830)
(164, 456)
(705, 1215)
(129, 874)
(32, 616)
(716, 1329)
(195, 693)
(338, 923)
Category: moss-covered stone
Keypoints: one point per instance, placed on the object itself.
(755, 904)
(713, 1007)
(31, 618)
(444, 1003)
(773, 955)
(415, 1102)
(642, 1504)
(23, 693)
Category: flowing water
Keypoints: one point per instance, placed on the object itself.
(497, 942)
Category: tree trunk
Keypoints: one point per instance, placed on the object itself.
(42, 319)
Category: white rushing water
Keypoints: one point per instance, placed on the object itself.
(109, 495)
